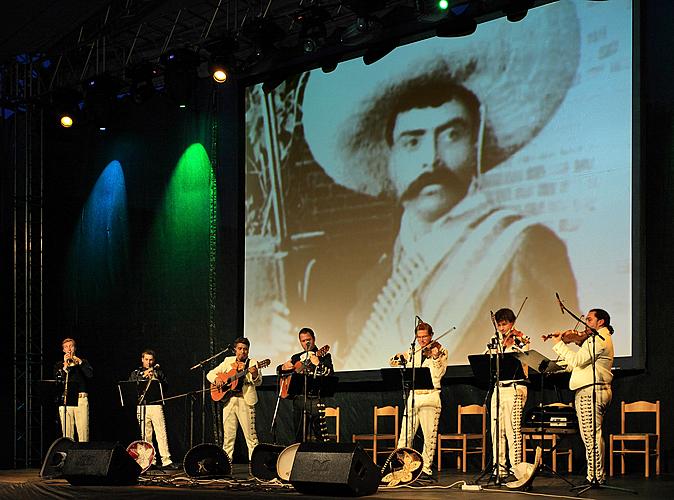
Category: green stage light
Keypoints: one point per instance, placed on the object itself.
(443, 4)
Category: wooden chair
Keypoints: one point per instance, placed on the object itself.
(331, 412)
(550, 442)
(463, 440)
(648, 439)
(376, 437)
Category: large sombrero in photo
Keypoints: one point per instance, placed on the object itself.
(519, 72)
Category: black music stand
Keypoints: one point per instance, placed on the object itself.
(134, 393)
(50, 396)
(488, 370)
(325, 386)
(540, 364)
(419, 377)
(304, 385)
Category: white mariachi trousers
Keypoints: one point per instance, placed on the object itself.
(427, 408)
(237, 410)
(155, 423)
(595, 469)
(511, 402)
(75, 417)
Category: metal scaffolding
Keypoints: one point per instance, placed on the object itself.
(26, 163)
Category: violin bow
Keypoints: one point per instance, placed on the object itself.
(507, 335)
(574, 316)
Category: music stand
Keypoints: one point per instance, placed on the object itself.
(489, 370)
(49, 392)
(326, 386)
(138, 393)
(410, 378)
(304, 385)
(539, 363)
(50, 396)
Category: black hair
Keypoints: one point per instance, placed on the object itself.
(602, 314)
(307, 330)
(241, 340)
(505, 314)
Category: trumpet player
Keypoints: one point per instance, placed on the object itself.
(151, 416)
(74, 373)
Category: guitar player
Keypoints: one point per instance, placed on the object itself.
(240, 406)
(315, 363)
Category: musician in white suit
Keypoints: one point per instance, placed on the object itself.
(240, 406)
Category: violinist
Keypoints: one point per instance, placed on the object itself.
(315, 363)
(427, 405)
(512, 396)
(579, 363)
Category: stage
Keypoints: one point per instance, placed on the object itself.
(20, 484)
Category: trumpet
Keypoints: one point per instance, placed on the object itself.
(70, 361)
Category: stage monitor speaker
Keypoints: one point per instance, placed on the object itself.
(100, 464)
(336, 469)
(52, 467)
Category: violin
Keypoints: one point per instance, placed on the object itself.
(427, 351)
(570, 336)
(516, 338)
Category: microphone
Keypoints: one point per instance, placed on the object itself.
(419, 319)
(155, 366)
(561, 306)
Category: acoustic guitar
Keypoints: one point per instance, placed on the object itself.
(231, 381)
(297, 368)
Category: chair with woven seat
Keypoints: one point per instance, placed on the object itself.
(650, 441)
(331, 412)
(465, 443)
(377, 436)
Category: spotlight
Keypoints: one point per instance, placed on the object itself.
(376, 52)
(142, 78)
(443, 5)
(222, 61)
(313, 31)
(180, 74)
(66, 120)
(517, 10)
(66, 105)
(219, 75)
(100, 94)
(456, 27)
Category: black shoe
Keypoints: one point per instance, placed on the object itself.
(426, 478)
(171, 467)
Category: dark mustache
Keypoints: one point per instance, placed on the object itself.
(439, 175)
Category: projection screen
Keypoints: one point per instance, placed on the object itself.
(452, 178)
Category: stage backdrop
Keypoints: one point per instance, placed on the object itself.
(538, 201)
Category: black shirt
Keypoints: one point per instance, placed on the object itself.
(78, 378)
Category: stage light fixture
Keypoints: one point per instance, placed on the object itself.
(219, 75)
(66, 120)
(142, 78)
(443, 5)
(66, 105)
(312, 27)
(378, 51)
(456, 27)
(100, 96)
(180, 74)
(517, 10)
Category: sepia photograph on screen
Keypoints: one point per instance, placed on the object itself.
(452, 178)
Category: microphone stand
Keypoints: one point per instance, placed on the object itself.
(594, 481)
(304, 406)
(202, 365)
(495, 345)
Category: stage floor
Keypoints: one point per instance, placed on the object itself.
(19, 484)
